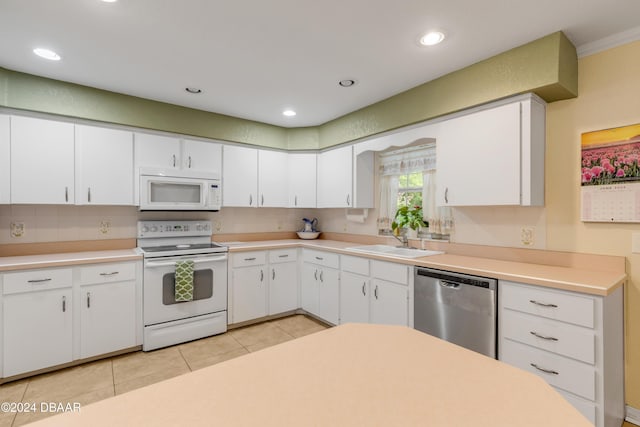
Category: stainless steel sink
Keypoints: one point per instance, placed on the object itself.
(394, 251)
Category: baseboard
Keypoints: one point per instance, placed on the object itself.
(633, 415)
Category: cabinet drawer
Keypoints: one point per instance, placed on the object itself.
(571, 308)
(567, 374)
(37, 280)
(106, 273)
(354, 264)
(322, 258)
(558, 337)
(283, 255)
(247, 259)
(391, 272)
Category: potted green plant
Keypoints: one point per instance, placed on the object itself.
(408, 218)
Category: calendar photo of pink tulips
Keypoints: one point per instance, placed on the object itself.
(611, 156)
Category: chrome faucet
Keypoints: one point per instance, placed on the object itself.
(404, 240)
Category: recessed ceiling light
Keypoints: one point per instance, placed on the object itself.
(347, 82)
(46, 54)
(109, 1)
(193, 90)
(431, 38)
(289, 113)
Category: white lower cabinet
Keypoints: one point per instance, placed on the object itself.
(571, 340)
(262, 283)
(107, 308)
(37, 320)
(55, 316)
(320, 285)
(374, 291)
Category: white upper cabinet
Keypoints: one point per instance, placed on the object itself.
(345, 180)
(302, 180)
(5, 160)
(104, 166)
(493, 156)
(335, 180)
(167, 152)
(157, 151)
(239, 176)
(42, 161)
(273, 178)
(201, 156)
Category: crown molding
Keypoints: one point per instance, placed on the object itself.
(609, 42)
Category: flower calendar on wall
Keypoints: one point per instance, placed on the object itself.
(611, 175)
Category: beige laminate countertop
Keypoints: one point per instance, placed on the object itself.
(66, 259)
(572, 279)
(350, 375)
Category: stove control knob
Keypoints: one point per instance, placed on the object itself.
(145, 229)
(154, 228)
(199, 227)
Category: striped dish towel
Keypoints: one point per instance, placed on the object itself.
(184, 280)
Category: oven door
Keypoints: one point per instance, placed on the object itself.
(209, 288)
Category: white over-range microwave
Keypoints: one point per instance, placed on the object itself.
(167, 190)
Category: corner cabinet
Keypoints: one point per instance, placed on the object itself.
(345, 180)
(493, 156)
(5, 160)
(573, 341)
(104, 166)
(41, 148)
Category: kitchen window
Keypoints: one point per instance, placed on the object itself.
(407, 178)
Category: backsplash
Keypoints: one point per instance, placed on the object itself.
(51, 223)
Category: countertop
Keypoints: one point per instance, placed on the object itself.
(66, 259)
(572, 279)
(350, 375)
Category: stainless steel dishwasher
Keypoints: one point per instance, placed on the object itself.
(458, 308)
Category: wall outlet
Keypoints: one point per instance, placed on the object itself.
(217, 225)
(17, 229)
(527, 236)
(105, 226)
(635, 243)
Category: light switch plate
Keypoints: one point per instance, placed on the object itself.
(635, 243)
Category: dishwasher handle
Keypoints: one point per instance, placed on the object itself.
(449, 285)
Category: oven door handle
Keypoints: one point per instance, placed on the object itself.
(195, 261)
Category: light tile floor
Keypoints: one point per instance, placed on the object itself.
(106, 378)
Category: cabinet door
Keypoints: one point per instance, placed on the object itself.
(37, 329)
(272, 178)
(354, 298)
(42, 161)
(309, 288)
(104, 166)
(335, 178)
(202, 156)
(302, 180)
(478, 158)
(5, 161)
(107, 318)
(283, 287)
(239, 176)
(329, 295)
(389, 303)
(157, 151)
(249, 293)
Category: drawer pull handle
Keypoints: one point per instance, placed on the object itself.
(113, 273)
(319, 258)
(64, 304)
(38, 280)
(375, 292)
(535, 334)
(88, 299)
(282, 256)
(364, 285)
(321, 276)
(315, 274)
(273, 274)
(542, 304)
(261, 275)
(250, 259)
(546, 371)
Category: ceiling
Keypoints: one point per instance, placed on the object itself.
(253, 59)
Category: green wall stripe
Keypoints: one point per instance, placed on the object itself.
(547, 66)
